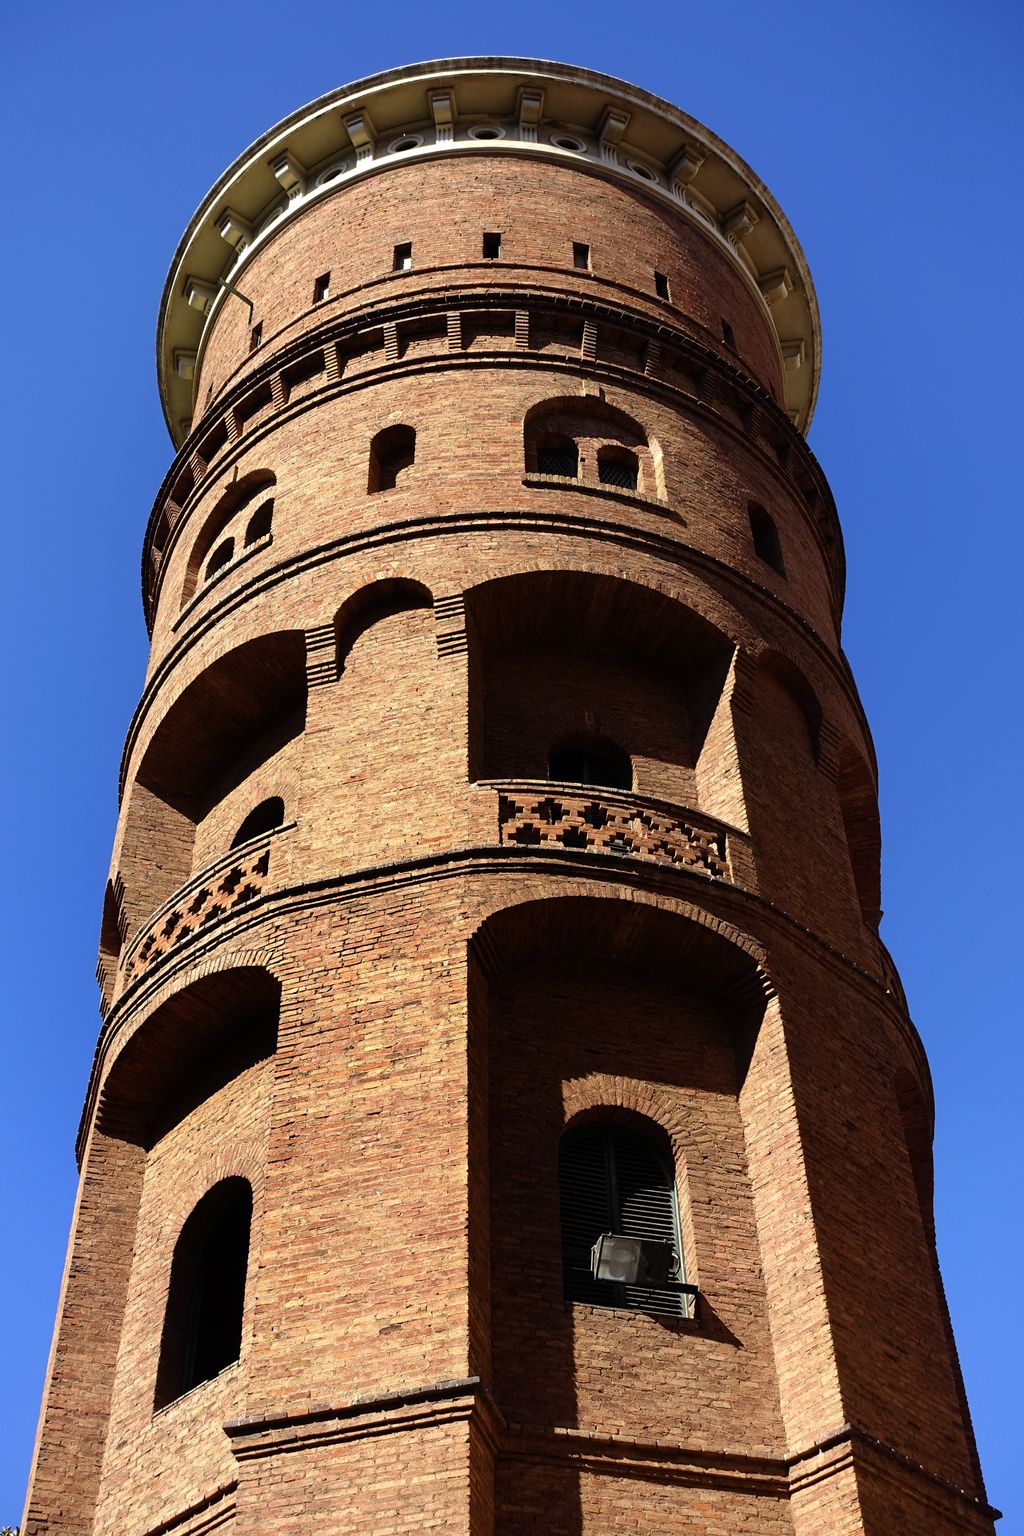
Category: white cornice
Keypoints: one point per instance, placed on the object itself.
(354, 132)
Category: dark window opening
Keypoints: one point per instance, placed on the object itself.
(391, 452)
(222, 556)
(262, 818)
(728, 335)
(558, 456)
(492, 246)
(322, 288)
(259, 525)
(617, 466)
(611, 1180)
(401, 261)
(202, 1331)
(255, 336)
(605, 766)
(112, 925)
(581, 256)
(661, 285)
(767, 546)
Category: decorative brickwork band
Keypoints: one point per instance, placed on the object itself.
(222, 888)
(321, 656)
(450, 616)
(599, 819)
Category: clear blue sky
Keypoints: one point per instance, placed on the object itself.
(890, 132)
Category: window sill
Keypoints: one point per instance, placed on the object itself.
(683, 1324)
(193, 1392)
(609, 492)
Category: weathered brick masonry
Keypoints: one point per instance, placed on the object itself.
(490, 465)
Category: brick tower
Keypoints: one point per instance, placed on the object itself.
(505, 1116)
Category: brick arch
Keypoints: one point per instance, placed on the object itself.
(858, 805)
(194, 1040)
(743, 974)
(560, 654)
(370, 603)
(239, 496)
(595, 427)
(694, 602)
(236, 714)
(587, 408)
(246, 1160)
(703, 984)
(789, 677)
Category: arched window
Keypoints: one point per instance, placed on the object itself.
(611, 1180)
(223, 522)
(260, 523)
(766, 537)
(557, 455)
(618, 466)
(206, 1297)
(262, 818)
(391, 452)
(222, 556)
(598, 763)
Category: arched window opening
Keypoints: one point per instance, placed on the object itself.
(260, 523)
(612, 1181)
(618, 466)
(367, 606)
(585, 439)
(597, 763)
(767, 546)
(262, 818)
(391, 452)
(222, 556)
(224, 522)
(206, 1296)
(112, 928)
(558, 455)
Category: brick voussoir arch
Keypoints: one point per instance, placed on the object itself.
(133, 1010)
(671, 551)
(172, 686)
(622, 574)
(246, 1160)
(681, 909)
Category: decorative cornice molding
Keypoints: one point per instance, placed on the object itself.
(626, 134)
(261, 395)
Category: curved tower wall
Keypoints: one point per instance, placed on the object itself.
(364, 956)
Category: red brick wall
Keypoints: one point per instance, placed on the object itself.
(451, 999)
(444, 208)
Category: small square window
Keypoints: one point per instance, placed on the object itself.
(322, 288)
(402, 259)
(255, 335)
(728, 334)
(661, 285)
(581, 256)
(492, 246)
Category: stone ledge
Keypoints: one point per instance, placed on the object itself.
(612, 492)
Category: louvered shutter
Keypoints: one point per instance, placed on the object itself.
(612, 1181)
(586, 1197)
(646, 1207)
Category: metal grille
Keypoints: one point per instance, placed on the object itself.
(558, 459)
(622, 472)
(612, 1181)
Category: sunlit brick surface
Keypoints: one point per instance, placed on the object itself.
(383, 1009)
